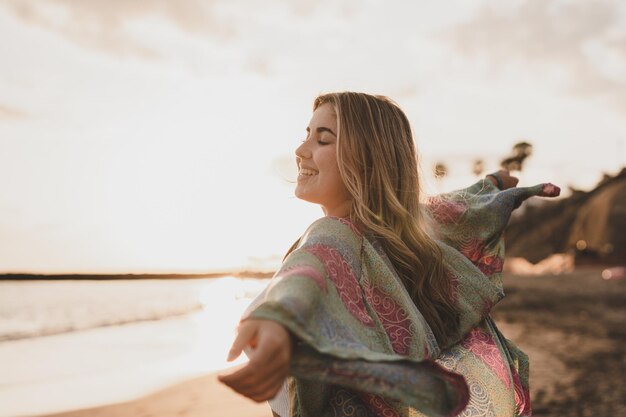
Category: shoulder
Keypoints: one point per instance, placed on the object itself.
(334, 242)
(331, 225)
(330, 230)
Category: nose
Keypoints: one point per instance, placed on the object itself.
(302, 151)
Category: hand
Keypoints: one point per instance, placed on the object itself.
(508, 181)
(263, 376)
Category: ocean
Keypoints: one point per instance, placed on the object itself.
(79, 344)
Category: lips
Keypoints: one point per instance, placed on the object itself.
(307, 172)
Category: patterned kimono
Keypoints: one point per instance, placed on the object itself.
(363, 347)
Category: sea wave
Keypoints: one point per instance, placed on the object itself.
(41, 308)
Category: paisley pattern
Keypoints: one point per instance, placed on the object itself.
(347, 404)
(472, 248)
(446, 211)
(487, 396)
(490, 265)
(343, 336)
(348, 223)
(306, 271)
(454, 285)
(393, 317)
(378, 405)
(483, 346)
(480, 404)
(522, 395)
(363, 347)
(345, 281)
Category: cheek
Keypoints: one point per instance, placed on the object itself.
(336, 178)
(328, 166)
(332, 180)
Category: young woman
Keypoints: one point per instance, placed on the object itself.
(382, 306)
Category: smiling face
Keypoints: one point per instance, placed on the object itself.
(319, 180)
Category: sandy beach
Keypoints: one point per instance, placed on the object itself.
(571, 326)
(203, 396)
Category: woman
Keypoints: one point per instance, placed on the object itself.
(381, 307)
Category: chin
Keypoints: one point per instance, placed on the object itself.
(305, 197)
(299, 195)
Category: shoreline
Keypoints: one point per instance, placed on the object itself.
(112, 277)
(199, 397)
(570, 325)
(112, 364)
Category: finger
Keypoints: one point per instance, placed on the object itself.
(269, 388)
(268, 366)
(265, 389)
(267, 346)
(274, 343)
(268, 394)
(228, 373)
(253, 374)
(242, 377)
(511, 182)
(245, 334)
(271, 355)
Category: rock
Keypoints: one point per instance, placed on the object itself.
(589, 225)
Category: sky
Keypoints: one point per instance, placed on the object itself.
(159, 136)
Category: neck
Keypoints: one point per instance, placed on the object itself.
(341, 210)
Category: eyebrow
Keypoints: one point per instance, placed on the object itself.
(321, 130)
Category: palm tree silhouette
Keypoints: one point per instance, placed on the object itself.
(515, 162)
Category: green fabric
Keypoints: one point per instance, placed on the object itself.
(364, 348)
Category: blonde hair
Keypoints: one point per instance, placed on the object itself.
(378, 164)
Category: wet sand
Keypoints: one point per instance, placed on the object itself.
(572, 326)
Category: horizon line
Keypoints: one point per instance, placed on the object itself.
(105, 276)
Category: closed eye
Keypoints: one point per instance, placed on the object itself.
(321, 130)
(321, 142)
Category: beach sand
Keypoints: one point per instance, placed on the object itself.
(572, 326)
(200, 397)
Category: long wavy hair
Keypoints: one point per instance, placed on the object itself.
(378, 164)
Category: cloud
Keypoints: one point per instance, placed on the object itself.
(585, 40)
(11, 113)
(102, 24)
